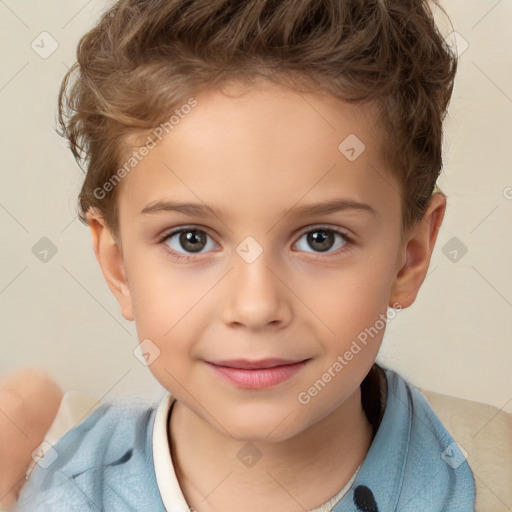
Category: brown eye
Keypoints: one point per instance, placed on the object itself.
(323, 240)
(188, 240)
(192, 240)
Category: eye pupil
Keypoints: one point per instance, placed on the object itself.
(321, 237)
(192, 239)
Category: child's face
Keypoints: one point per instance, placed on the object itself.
(255, 159)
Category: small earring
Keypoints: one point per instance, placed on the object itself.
(437, 190)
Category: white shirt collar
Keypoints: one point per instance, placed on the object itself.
(166, 479)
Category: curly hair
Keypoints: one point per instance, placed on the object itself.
(145, 58)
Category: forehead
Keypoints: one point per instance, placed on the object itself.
(267, 144)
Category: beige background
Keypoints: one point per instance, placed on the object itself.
(60, 315)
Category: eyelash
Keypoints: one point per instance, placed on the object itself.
(182, 257)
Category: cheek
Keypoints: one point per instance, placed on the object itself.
(167, 311)
(351, 298)
(171, 305)
(162, 292)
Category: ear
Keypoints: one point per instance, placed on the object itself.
(416, 252)
(109, 255)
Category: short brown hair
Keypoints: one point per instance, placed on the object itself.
(144, 58)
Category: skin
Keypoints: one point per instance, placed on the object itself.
(29, 401)
(260, 153)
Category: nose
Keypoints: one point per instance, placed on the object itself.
(256, 296)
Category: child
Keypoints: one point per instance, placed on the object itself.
(300, 141)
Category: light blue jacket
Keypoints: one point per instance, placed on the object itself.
(106, 464)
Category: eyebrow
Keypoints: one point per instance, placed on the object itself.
(196, 209)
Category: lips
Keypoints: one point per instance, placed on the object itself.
(244, 364)
(265, 373)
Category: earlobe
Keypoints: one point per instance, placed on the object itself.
(414, 258)
(109, 256)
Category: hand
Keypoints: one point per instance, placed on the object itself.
(29, 401)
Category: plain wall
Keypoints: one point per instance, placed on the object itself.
(60, 315)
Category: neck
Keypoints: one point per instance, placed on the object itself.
(327, 453)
